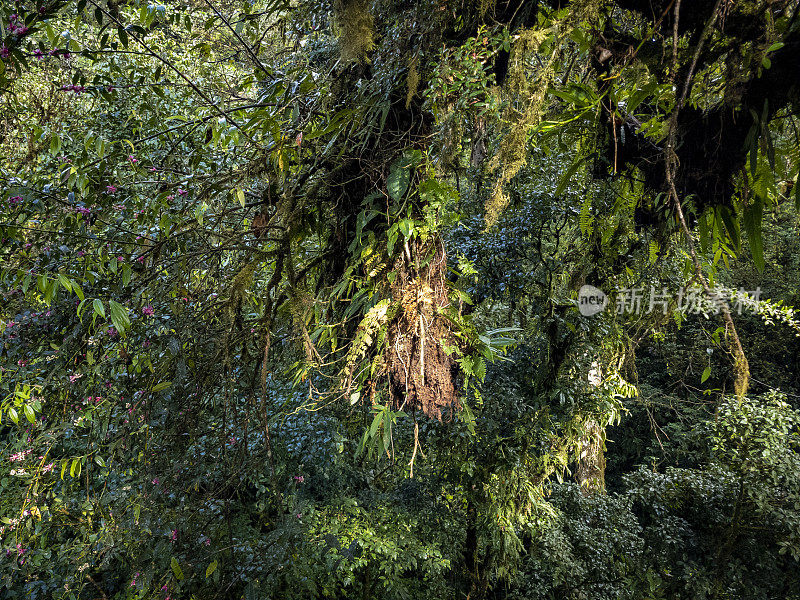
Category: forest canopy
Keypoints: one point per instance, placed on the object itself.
(396, 299)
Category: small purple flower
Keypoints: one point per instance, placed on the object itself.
(148, 311)
(174, 537)
(299, 478)
(140, 260)
(182, 192)
(4, 52)
(111, 189)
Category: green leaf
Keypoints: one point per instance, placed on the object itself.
(99, 309)
(176, 568)
(65, 282)
(211, 568)
(562, 185)
(397, 182)
(706, 375)
(731, 226)
(161, 386)
(77, 289)
(29, 414)
(240, 196)
(119, 316)
(753, 215)
(55, 144)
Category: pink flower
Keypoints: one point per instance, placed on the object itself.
(75, 377)
(14, 200)
(207, 542)
(148, 311)
(111, 189)
(132, 159)
(4, 52)
(19, 455)
(47, 468)
(299, 478)
(140, 260)
(182, 192)
(174, 537)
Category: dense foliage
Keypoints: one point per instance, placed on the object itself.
(291, 299)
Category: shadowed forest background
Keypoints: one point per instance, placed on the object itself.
(290, 299)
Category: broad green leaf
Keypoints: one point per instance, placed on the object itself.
(397, 182)
(176, 568)
(65, 282)
(752, 222)
(211, 568)
(99, 309)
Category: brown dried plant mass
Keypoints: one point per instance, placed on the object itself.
(421, 373)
